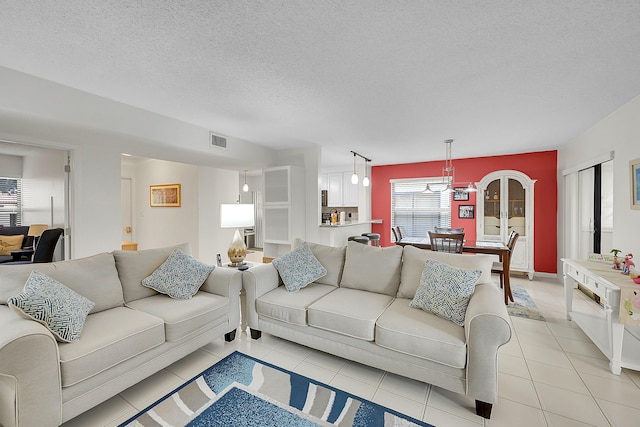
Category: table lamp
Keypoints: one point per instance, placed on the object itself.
(236, 216)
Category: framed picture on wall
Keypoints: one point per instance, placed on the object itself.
(460, 194)
(466, 211)
(166, 195)
(635, 183)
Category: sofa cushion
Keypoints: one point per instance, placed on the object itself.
(445, 290)
(421, 334)
(110, 337)
(413, 260)
(179, 276)
(94, 277)
(133, 266)
(182, 317)
(298, 268)
(49, 302)
(291, 307)
(10, 243)
(373, 269)
(331, 258)
(349, 312)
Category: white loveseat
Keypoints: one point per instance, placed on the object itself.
(131, 333)
(360, 311)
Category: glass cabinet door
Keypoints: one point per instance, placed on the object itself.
(492, 197)
(517, 208)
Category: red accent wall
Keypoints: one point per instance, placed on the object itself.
(540, 166)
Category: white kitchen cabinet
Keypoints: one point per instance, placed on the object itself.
(341, 192)
(283, 209)
(505, 204)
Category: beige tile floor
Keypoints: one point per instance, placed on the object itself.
(550, 374)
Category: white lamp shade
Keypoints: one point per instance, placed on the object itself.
(236, 215)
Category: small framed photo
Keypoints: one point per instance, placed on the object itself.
(635, 183)
(167, 195)
(466, 211)
(460, 194)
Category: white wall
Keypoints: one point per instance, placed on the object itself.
(216, 186)
(620, 132)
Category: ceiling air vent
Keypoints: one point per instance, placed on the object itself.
(217, 140)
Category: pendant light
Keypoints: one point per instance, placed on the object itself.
(448, 175)
(245, 187)
(365, 180)
(354, 177)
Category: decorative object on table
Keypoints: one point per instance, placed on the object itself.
(235, 216)
(616, 261)
(166, 195)
(635, 183)
(241, 390)
(627, 264)
(523, 305)
(466, 211)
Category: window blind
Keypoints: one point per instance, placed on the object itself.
(416, 212)
(10, 201)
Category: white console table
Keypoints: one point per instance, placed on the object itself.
(620, 343)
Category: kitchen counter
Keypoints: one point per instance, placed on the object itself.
(337, 235)
(352, 223)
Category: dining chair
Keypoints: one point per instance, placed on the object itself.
(499, 267)
(446, 242)
(398, 232)
(448, 230)
(395, 235)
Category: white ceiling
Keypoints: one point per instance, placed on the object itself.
(389, 79)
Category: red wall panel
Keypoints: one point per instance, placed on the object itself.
(540, 166)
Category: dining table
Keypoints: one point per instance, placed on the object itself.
(473, 246)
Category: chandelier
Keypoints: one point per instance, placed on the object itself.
(448, 175)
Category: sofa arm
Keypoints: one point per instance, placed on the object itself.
(226, 282)
(256, 282)
(30, 387)
(487, 328)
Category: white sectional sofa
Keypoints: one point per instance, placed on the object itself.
(131, 333)
(360, 310)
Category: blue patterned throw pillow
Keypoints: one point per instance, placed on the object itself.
(180, 276)
(49, 302)
(298, 268)
(445, 290)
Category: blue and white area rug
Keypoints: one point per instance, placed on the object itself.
(523, 305)
(242, 391)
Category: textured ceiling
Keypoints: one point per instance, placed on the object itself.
(389, 79)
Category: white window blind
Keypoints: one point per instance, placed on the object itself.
(10, 201)
(416, 212)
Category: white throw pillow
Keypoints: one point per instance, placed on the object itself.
(49, 302)
(180, 276)
(298, 268)
(445, 290)
(331, 258)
